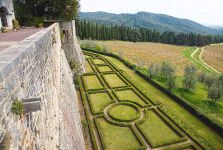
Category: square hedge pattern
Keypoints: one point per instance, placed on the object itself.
(106, 87)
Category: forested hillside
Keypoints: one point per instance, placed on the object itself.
(159, 22)
(95, 31)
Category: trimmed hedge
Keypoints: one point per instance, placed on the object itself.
(214, 125)
(90, 125)
(127, 104)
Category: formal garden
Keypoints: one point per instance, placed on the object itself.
(121, 116)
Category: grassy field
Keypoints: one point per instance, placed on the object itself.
(189, 119)
(213, 56)
(145, 53)
(113, 122)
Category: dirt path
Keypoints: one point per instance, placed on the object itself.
(202, 62)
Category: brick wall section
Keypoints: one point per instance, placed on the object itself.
(37, 67)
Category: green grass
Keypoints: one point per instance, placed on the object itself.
(104, 68)
(92, 82)
(116, 137)
(181, 113)
(129, 95)
(123, 112)
(198, 98)
(114, 80)
(156, 131)
(99, 101)
(187, 53)
(88, 67)
(98, 61)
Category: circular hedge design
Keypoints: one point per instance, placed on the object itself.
(124, 112)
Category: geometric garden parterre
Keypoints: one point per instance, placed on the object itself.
(120, 117)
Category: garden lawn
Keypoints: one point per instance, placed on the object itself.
(181, 113)
(116, 137)
(129, 95)
(98, 61)
(123, 112)
(156, 131)
(92, 82)
(99, 101)
(88, 67)
(114, 80)
(104, 68)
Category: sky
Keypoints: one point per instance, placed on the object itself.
(206, 12)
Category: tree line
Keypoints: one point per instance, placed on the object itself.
(214, 84)
(96, 31)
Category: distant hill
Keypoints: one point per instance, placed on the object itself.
(147, 20)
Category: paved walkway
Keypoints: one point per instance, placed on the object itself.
(13, 37)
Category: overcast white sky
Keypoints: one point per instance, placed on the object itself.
(207, 12)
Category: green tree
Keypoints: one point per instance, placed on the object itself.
(215, 92)
(190, 79)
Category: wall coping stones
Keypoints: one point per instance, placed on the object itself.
(10, 57)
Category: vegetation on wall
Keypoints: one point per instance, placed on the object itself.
(17, 107)
(95, 31)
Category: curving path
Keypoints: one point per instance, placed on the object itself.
(200, 61)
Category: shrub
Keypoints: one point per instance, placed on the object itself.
(4, 30)
(17, 107)
(84, 124)
(215, 92)
(15, 24)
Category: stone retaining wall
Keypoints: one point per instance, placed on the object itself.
(37, 68)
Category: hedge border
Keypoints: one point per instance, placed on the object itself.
(90, 126)
(200, 115)
(127, 104)
(184, 146)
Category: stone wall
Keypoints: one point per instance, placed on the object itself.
(37, 72)
(69, 42)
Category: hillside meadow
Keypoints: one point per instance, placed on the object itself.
(146, 53)
(213, 56)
